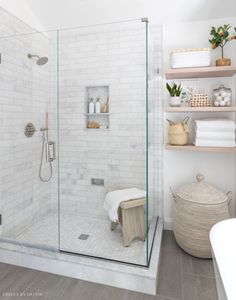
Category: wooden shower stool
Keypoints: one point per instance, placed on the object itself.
(132, 221)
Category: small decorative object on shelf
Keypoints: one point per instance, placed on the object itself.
(222, 96)
(91, 106)
(93, 125)
(178, 132)
(175, 92)
(219, 38)
(105, 108)
(200, 100)
(191, 58)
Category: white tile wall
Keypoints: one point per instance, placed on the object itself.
(24, 97)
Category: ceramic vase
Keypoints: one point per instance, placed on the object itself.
(175, 101)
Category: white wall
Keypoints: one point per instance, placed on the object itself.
(24, 97)
(182, 167)
(23, 12)
(55, 14)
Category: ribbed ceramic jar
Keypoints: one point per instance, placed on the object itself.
(198, 206)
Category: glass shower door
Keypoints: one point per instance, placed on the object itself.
(103, 140)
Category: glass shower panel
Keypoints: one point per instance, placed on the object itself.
(28, 91)
(154, 131)
(102, 69)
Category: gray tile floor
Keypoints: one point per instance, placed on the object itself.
(182, 277)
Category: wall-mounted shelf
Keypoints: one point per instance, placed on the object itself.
(97, 129)
(200, 109)
(97, 115)
(201, 149)
(206, 72)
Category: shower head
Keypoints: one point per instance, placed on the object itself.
(40, 60)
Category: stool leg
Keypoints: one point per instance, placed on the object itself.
(126, 228)
(114, 225)
(142, 228)
(133, 224)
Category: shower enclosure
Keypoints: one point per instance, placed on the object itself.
(56, 173)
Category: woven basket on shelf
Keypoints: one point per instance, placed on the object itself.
(198, 206)
(178, 132)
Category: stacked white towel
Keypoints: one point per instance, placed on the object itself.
(214, 132)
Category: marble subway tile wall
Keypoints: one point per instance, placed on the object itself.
(111, 56)
(24, 97)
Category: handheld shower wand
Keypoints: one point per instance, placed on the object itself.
(46, 149)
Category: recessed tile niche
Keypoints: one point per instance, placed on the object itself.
(97, 119)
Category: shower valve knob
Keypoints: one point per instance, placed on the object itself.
(29, 130)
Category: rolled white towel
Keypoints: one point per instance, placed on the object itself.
(113, 200)
(214, 143)
(212, 124)
(212, 135)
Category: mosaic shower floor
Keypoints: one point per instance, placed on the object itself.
(100, 242)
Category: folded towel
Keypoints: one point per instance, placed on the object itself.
(214, 125)
(113, 200)
(214, 143)
(212, 135)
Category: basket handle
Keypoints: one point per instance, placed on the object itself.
(170, 122)
(185, 120)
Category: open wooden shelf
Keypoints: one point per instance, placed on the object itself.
(200, 109)
(206, 72)
(201, 149)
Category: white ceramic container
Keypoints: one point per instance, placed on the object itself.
(191, 58)
(175, 101)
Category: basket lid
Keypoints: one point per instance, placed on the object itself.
(201, 192)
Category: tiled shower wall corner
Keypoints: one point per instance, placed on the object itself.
(24, 97)
(114, 57)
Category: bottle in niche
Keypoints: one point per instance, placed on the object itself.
(98, 106)
(91, 106)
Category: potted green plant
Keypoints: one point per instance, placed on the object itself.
(219, 38)
(175, 92)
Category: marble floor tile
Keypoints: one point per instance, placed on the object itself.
(73, 226)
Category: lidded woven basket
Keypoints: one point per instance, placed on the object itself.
(198, 206)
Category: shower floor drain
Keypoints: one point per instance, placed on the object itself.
(83, 237)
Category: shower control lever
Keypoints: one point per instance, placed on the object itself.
(51, 154)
